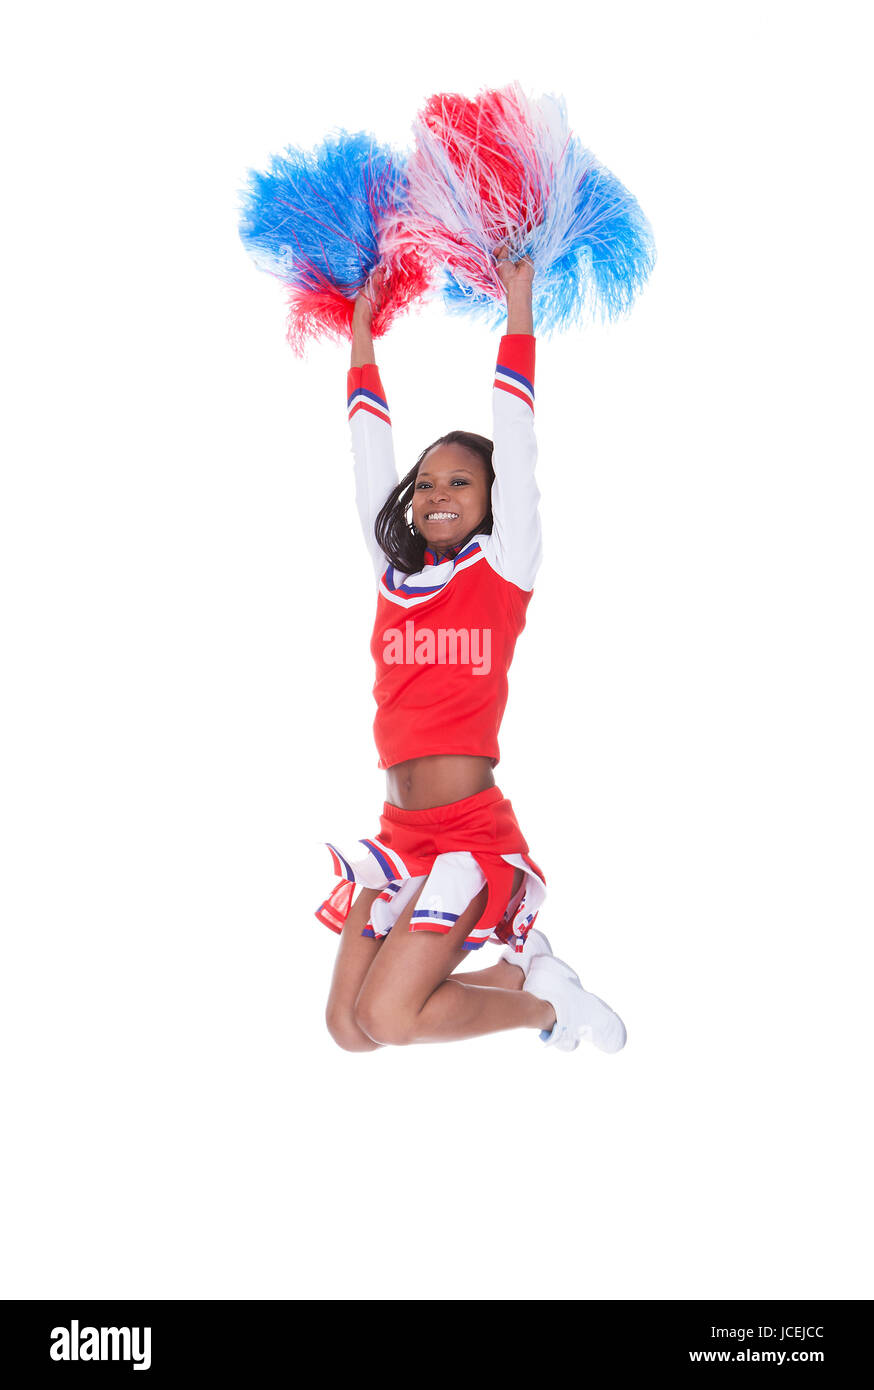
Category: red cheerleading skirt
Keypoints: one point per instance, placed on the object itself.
(450, 852)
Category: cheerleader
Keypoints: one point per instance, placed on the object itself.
(449, 867)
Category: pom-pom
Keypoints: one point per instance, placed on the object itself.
(502, 169)
(315, 221)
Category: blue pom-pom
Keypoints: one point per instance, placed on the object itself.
(315, 212)
(316, 221)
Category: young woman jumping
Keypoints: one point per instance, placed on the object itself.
(455, 547)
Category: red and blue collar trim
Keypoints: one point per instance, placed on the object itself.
(458, 553)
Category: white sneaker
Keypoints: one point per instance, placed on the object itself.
(578, 1015)
(536, 944)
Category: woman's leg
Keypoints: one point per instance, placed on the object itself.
(355, 955)
(407, 996)
(501, 975)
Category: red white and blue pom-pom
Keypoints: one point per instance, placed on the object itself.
(503, 169)
(315, 220)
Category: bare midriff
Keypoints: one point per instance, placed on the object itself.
(438, 780)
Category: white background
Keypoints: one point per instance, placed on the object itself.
(186, 610)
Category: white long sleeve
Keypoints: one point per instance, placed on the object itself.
(373, 453)
(515, 546)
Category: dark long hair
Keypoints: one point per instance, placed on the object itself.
(404, 547)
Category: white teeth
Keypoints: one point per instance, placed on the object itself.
(442, 516)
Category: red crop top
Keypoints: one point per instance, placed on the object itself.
(444, 638)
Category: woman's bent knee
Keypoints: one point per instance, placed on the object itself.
(346, 1032)
(384, 1023)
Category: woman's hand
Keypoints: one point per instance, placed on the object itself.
(516, 277)
(513, 275)
(366, 301)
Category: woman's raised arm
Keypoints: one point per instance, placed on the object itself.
(369, 423)
(515, 543)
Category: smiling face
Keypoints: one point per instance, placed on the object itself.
(451, 495)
